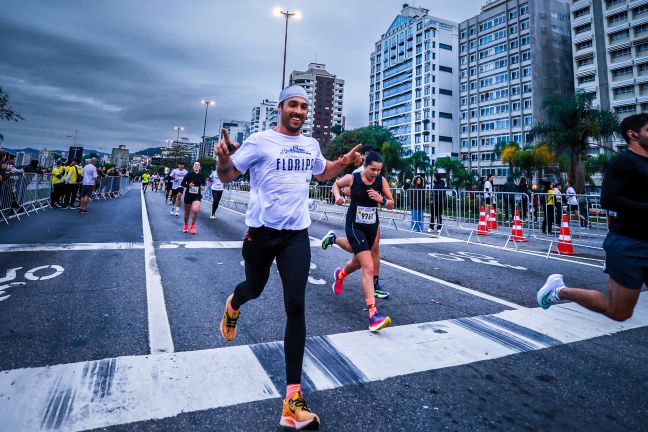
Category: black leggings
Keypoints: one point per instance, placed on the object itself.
(216, 196)
(292, 252)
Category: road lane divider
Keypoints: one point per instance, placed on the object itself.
(160, 340)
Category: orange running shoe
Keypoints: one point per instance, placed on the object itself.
(193, 229)
(296, 414)
(228, 322)
(185, 229)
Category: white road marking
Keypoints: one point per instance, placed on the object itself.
(160, 339)
(56, 247)
(454, 286)
(97, 394)
(31, 274)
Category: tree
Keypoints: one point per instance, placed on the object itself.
(532, 158)
(337, 129)
(458, 177)
(6, 111)
(507, 151)
(376, 136)
(571, 124)
(420, 161)
(595, 165)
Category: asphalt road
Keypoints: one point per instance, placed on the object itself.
(468, 350)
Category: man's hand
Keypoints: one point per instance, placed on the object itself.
(224, 147)
(352, 157)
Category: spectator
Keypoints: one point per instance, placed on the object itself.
(523, 197)
(58, 185)
(508, 198)
(33, 167)
(89, 177)
(572, 202)
(549, 216)
(416, 199)
(437, 203)
(73, 174)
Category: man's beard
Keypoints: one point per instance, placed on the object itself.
(285, 120)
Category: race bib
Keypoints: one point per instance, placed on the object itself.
(194, 190)
(366, 215)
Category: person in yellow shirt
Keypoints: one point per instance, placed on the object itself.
(72, 175)
(146, 177)
(548, 221)
(58, 187)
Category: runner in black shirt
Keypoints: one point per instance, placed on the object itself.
(625, 192)
(194, 184)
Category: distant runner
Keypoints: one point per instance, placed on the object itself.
(176, 195)
(146, 177)
(217, 188)
(194, 184)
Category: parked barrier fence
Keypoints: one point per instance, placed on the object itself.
(440, 209)
(24, 193)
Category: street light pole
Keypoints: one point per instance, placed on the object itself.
(287, 14)
(202, 146)
(178, 128)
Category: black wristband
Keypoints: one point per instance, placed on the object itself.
(384, 201)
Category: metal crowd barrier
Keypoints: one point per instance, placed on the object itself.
(587, 220)
(111, 187)
(23, 193)
(235, 195)
(439, 206)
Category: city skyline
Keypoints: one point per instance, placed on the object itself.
(122, 73)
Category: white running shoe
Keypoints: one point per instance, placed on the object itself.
(548, 294)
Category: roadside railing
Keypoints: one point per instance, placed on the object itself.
(24, 193)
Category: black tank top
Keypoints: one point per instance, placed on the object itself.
(360, 197)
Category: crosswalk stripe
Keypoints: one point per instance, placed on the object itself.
(108, 392)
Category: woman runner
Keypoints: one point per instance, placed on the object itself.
(216, 191)
(194, 184)
(362, 227)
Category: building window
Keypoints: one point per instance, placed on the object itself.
(585, 61)
(526, 71)
(445, 138)
(613, 19)
(587, 79)
(623, 91)
(581, 12)
(445, 69)
(445, 115)
(445, 46)
(642, 49)
(625, 109)
(524, 9)
(620, 53)
(584, 45)
(583, 28)
(618, 73)
(513, 14)
(445, 92)
(619, 36)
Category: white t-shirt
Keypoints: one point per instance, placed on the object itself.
(359, 169)
(177, 176)
(217, 184)
(488, 188)
(571, 193)
(281, 167)
(89, 175)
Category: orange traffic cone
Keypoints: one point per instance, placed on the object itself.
(517, 234)
(492, 219)
(565, 246)
(482, 226)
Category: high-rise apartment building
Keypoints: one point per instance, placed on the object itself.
(326, 98)
(512, 56)
(120, 156)
(264, 116)
(414, 83)
(610, 45)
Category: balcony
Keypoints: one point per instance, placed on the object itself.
(634, 4)
(579, 5)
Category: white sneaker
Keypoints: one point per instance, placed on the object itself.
(429, 230)
(548, 294)
(212, 217)
(177, 214)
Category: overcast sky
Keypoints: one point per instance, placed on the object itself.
(128, 71)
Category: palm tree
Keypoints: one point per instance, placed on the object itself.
(420, 161)
(507, 151)
(571, 123)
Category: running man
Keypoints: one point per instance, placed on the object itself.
(217, 188)
(281, 163)
(626, 245)
(146, 177)
(368, 189)
(331, 239)
(156, 182)
(194, 182)
(176, 195)
(168, 187)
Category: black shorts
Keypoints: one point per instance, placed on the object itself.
(86, 190)
(189, 198)
(626, 260)
(168, 186)
(177, 190)
(573, 207)
(361, 236)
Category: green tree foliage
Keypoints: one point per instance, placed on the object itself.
(458, 177)
(376, 136)
(6, 111)
(571, 123)
(420, 161)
